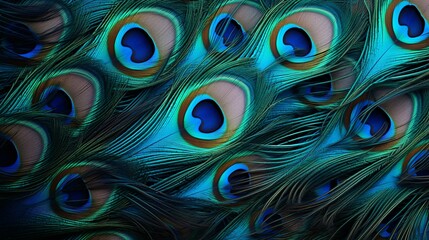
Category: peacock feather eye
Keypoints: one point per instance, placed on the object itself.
(386, 231)
(235, 179)
(229, 27)
(407, 23)
(386, 123)
(58, 101)
(399, 35)
(301, 43)
(21, 40)
(9, 160)
(329, 87)
(210, 115)
(199, 119)
(140, 44)
(22, 145)
(323, 190)
(73, 94)
(394, 225)
(33, 40)
(77, 193)
(73, 194)
(378, 122)
(389, 226)
(267, 222)
(415, 163)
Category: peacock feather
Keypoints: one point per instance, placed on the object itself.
(199, 119)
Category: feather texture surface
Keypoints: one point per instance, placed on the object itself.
(200, 119)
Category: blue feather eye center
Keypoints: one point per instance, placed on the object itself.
(324, 189)
(239, 181)
(299, 40)
(230, 31)
(9, 155)
(269, 222)
(301, 44)
(387, 230)
(378, 120)
(411, 17)
(204, 118)
(21, 40)
(318, 89)
(235, 181)
(73, 193)
(420, 158)
(210, 114)
(140, 43)
(58, 101)
(135, 48)
(375, 123)
(224, 32)
(409, 26)
(295, 44)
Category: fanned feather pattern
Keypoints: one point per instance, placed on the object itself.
(199, 119)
